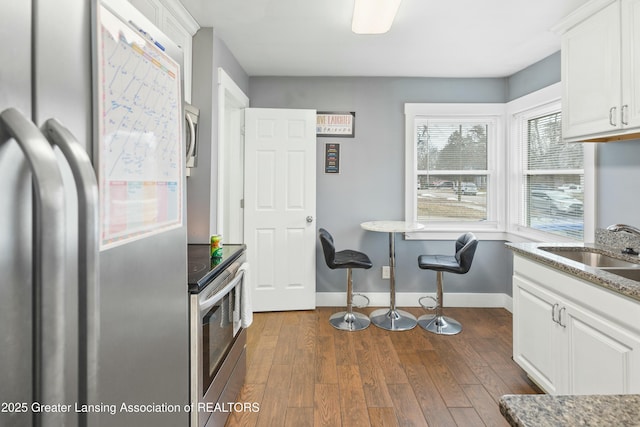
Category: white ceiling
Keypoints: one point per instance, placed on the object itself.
(450, 38)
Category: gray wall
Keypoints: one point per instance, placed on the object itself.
(209, 53)
(371, 183)
(541, 74)
(618, 174)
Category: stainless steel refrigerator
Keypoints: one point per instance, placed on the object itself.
(82, 322)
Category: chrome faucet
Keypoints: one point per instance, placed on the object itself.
(629, 229)
(624, 227)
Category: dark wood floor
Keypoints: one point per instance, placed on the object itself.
(303, 372)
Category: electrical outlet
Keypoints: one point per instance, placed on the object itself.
(386, 272)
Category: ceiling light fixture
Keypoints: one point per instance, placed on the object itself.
(373, 16)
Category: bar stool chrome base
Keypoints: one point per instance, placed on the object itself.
(440, 325)
(393, 320)
(346, 321)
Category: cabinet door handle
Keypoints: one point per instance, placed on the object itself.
(564, 325)
(623, 115)
(553, 312)
(612, 112)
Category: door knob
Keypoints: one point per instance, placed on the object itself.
(309, 218)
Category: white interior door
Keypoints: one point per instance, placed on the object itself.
(280, 207)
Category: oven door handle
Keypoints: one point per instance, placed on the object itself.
(206, 304)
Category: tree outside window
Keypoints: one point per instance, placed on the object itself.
(452, 169)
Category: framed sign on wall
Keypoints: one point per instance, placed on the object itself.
(336, 124)
(332, 158)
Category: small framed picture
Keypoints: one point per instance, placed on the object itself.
(336, 124)
(332, 158)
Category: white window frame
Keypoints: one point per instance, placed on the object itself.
(493, 228)
(536, 104)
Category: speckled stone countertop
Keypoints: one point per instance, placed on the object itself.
(613, 282)
(541, 410)
(568, 411)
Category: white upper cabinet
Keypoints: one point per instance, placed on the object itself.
(177, 24)
(631, 62)
(600, 64)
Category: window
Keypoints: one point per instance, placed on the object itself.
(552, 192)
(551, 183)
(452, 169)
(452, 152)
(462, 174)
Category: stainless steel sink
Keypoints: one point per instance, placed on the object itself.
(629, 273)
(592, 259)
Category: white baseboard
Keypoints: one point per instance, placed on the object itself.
(410, 299)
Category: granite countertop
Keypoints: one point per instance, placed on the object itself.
(593, 410)
(535, 251)
(567, 411)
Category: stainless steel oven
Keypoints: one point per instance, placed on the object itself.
(218, 344)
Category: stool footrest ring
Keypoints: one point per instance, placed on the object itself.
(428, 307)
(366, 304)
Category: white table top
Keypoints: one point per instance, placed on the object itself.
(392, 226)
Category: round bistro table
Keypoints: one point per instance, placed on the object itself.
(392, 319)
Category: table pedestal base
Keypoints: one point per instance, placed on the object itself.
(393, 320)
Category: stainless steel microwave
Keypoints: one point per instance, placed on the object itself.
(191, 116)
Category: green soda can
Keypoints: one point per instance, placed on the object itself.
(216, 246)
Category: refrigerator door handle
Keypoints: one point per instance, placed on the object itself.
(88, 257)
(49, 232)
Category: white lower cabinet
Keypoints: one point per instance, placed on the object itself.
(572, 337)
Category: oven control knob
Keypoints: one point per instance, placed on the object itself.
(309, 218)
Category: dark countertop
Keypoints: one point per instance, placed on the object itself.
(627, 287)
(543, 410)
(202, 268)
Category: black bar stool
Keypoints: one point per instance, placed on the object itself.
(345, 320)
(460, 263)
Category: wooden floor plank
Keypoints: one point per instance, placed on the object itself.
(467, 417)
(273, 407)
(408, 411)
(326, 408)
(253, 394)
(433, 406)
(258, 367)
(444, 380)
(383, 417)
(353, 406)
(345, 350)
(302, 385)
(371, 374)
(298, 417)
(456, 364)
(491, 382)
(389, 360)
(325, 371)
(306, 338)
(273, 322)
(286, 345)
(485, 406)
(301, 372)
